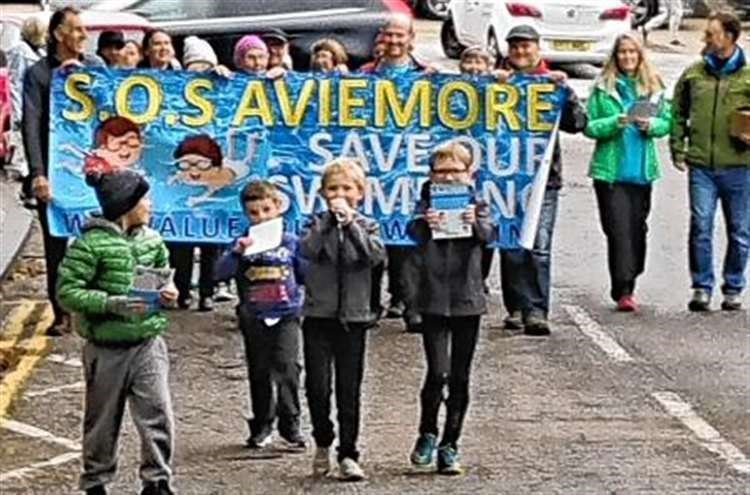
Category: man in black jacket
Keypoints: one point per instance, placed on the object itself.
(526, 275)
(66, 42)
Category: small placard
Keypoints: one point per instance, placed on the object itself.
(451, 200)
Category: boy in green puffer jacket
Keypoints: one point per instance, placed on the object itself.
(125, 359)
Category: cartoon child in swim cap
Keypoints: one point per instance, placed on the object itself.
(118, 146)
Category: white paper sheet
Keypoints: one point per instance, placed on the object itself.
(265, 236)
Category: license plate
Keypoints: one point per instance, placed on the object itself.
(571, 46)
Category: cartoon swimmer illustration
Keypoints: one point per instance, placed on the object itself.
(119, 145)
(199, 162)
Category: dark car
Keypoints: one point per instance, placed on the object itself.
(354, 23)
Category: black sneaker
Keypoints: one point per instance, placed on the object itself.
(731, 302)
(294, 440)
(396, 310)
(259, 440)
(205, 304)
(701, 301)
(447, 461)
(536, 324)
(161, 487)
(184, 302)
(413, 322)
(514, 321)
(96, 490)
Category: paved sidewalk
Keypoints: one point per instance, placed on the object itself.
(15, 222)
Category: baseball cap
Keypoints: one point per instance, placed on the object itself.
(275, 34)
(522, 33)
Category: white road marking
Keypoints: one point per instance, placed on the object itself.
(61, 359)
(592, 330)
(34, 432)
(54, 390)
(21, 472)
(708, 437)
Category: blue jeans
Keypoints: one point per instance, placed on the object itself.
(732, 187)
(525, 275)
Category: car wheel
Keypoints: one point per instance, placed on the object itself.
(434, 9)
(493, 47)
(451, 46)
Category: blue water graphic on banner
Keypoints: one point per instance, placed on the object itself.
(199, 138)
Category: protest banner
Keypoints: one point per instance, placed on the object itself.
(199, 138)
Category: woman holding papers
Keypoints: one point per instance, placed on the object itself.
(627, 111)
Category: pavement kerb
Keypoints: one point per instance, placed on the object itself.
(15, 224)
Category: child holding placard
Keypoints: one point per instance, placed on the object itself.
(269, 284)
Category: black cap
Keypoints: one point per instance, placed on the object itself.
(117, 192)
(522, 33)
(110, 38)
(275, 34)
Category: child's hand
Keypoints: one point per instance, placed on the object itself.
(341, 210)
(642, 123)
(558, 76)
(126, 306)
(623, 120)
(168, 294)
(469, 215)
(242, 244)
(502, 75)
(276, 73)
(433, 218)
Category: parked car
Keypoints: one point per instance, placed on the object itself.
(571, 30)
(355, 23)
(431, 9)
(132, 26)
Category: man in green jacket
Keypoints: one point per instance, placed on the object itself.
(707, 96)
(125, 359)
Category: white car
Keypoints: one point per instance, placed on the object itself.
(571, 31)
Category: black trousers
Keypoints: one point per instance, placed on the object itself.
(54, 251)
(181, 259)
(487, 255)
(327, 345)
(397, 256)
(273, 371)
(449, 345)
(623, 211)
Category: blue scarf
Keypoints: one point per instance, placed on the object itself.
(724, 67)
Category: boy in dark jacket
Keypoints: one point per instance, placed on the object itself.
(341, 246)
(125, 359)
(269, 313)
(449, 294)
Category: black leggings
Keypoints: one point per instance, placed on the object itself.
(449, 345)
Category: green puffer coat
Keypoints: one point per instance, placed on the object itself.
(603, 108)
(102, 263)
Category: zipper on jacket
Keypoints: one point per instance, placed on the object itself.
(713, 121)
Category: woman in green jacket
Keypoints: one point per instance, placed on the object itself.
(626, 111)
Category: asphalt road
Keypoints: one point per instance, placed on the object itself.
(657, 402)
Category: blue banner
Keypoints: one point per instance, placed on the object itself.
(199, 138)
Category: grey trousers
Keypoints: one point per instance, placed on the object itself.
(137, 375)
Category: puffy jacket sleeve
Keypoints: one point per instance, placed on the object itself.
(661, 125)
(76, 272)
(318, 239)
(161, 260)
(601, 124)
(680, 115)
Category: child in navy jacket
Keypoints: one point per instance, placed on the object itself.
(269, 285)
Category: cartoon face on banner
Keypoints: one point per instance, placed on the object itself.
(199, 138)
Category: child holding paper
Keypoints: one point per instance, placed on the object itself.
(341, 246)
(450, 296)
(269, 284)
(125, 359)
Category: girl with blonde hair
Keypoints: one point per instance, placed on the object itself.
(627, 111)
